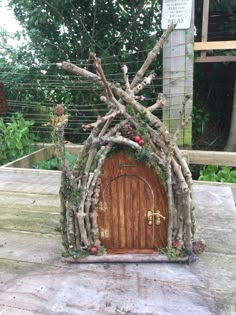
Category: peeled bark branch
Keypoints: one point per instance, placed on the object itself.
(117, 140)
(178, 172)
(99, 70)
(112, 102)
(183, 120)
(146, 81)
(151, 56)
(93, 214)
(79, 71)
(159, 103)
(101, 120)
(155, 121)
(124, 68)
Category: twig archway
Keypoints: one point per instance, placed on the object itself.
(80, 188)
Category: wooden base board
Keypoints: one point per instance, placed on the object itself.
(130, 251)
(127, 258)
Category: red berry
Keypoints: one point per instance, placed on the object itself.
(137, 139)
(141, 142)
(93, 250)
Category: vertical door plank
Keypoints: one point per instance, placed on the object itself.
(121, 202)
(135, 210)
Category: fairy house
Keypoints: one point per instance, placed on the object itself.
(130, 189)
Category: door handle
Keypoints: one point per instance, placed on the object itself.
(151, 215)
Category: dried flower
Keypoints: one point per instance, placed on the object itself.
(59, 110)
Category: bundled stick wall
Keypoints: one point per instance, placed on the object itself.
(80, 188)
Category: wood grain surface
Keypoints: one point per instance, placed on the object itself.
(128, 190)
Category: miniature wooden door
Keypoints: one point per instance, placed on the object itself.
(132, 214)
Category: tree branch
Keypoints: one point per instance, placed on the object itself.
(101, 120)
(160, 102)
(146, 81)
(117, 140)
(183, 121)
(151, 56)
(80, 71)
(155, 121)
(100, 72)
(124, 69)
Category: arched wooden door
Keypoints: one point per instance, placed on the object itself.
(132, 214)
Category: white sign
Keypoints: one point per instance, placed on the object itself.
(176, 11)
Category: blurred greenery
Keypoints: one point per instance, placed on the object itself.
(15, 138)
(55, 164)
(212, 173)
(214, 82)
(117, 31)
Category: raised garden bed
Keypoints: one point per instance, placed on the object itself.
(44, 153)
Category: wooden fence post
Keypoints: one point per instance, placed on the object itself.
(178, 61)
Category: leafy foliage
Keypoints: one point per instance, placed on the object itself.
(15, 138)
(214, 82)
(221, 20)
(68, 29)
(212, 173)
(173, 252)
(55, 164)
(118, 31)
(84, 252)
(200, 119)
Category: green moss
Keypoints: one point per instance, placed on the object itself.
(95, 160)
(39, 221)
(15, 266)
(81, 161)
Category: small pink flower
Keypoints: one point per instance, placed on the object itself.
(175, 244)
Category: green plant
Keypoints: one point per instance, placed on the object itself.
(84, 251)
(200, 119)
(173, 252)
(213, 173)
(15, 138)
(55, 164)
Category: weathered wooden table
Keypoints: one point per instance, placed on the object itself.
(33, 280)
